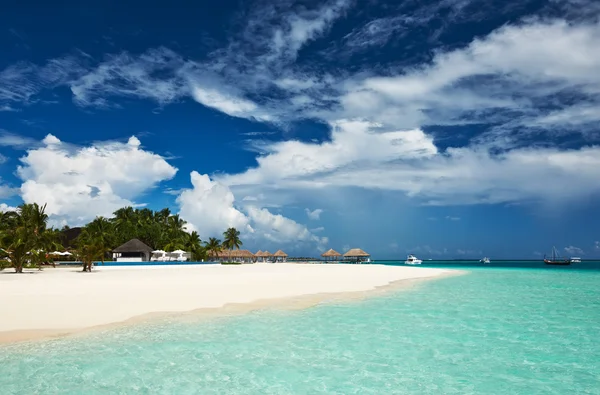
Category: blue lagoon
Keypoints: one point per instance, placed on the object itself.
(492, 331)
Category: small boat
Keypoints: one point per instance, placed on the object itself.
(485, 260)
(412, 260)
(556, 259)
(575, 259)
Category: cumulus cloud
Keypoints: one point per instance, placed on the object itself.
(5, 207)
(315, 214)
(79, 183)
(572, 250)
(597, 245)
(409, 162)
(209, 207)
(277, 228)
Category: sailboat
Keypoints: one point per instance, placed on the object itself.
(556, 259)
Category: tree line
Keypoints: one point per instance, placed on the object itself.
(26, 239)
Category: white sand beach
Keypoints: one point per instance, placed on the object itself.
(64, 300)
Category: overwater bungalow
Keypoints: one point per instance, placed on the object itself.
(243, 256)
(267, 256)
(331, 255)
(357, 255)
(280, 256)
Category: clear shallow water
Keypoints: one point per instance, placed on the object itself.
(494, 331)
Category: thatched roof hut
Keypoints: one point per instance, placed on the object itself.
(258, 254)
(267, 254)
(134, 248)
(331, 253)
(133, 245)
(237, 254)
(356, 253)
(280, 254)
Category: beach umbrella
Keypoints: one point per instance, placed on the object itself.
(178, 252)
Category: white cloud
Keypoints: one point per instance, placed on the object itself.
(572, 250)
(127, 75)
(5, 207)
(315, 215)
(298, 28)
(512, 69)
(6, 191)
(280, 229)
(300, 163)
(230, 104)
(20, 82)
(12, 140)
(317, 229)
(597, 245)
(209, 207)
(79, 183)
(409, 162)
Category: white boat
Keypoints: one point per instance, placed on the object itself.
(412, 260)
(575, 259)
(485, 260)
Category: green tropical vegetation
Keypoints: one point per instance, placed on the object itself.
(231, 240)
(26, 239)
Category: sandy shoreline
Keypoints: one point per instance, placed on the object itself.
(58, 302)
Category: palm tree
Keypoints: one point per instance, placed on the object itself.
(163, 215)
(125, 222)
(89, 248)
(193, 244)
(100, 233)
(24, 237)
(231, 240)
(213, 247)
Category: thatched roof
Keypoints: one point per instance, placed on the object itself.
(267, 254)
(133, 245)
(330, 253)
(356, 252)
(258, 253)
(235, 254)
(280, 253)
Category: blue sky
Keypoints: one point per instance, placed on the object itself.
(448, 129)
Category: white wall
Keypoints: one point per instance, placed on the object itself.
(138, 259)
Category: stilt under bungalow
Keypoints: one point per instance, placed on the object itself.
(280, 256)
(331, 255)
(357, 255)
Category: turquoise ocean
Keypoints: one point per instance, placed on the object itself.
(507, 328)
